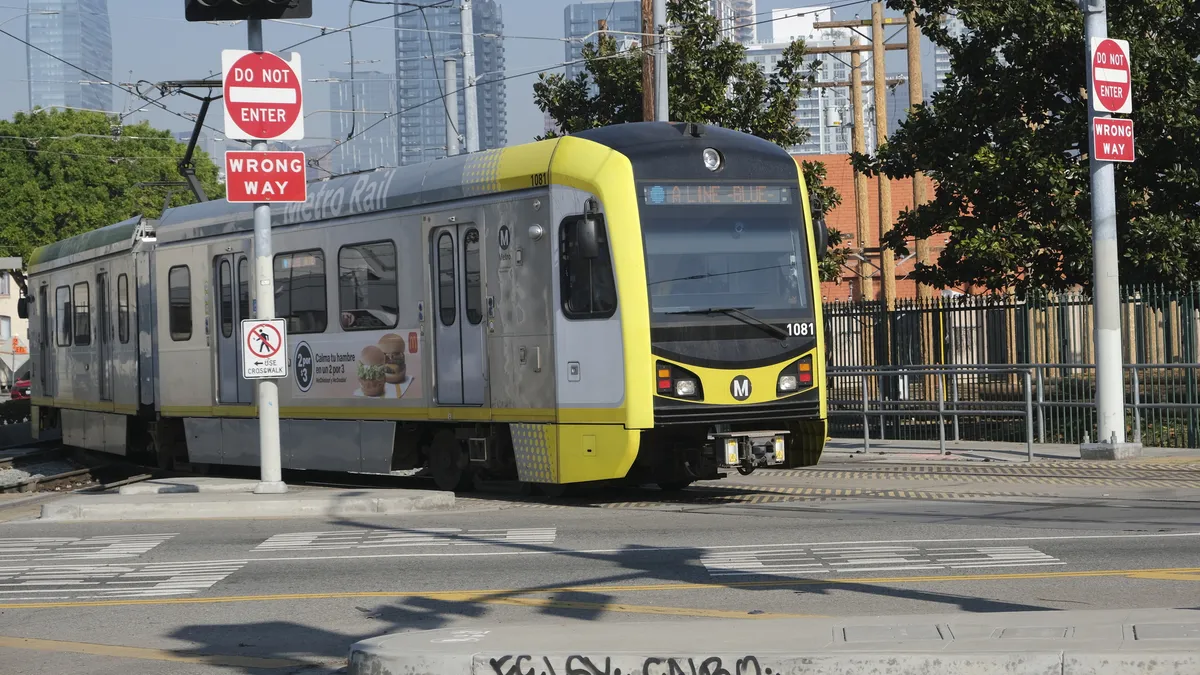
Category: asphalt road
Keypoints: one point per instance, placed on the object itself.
(283, 596)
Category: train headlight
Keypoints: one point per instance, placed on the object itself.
(685, 388)
(779, 450)
(712, 159)
(788, 383)
(731, 451)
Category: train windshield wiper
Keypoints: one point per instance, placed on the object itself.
(740, 314)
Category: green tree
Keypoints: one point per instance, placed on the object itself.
(68, 172)
(711, 82)
(1006, 142)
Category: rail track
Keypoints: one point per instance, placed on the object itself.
(54, 468)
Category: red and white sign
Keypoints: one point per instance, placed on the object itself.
(1112, 139)
(262, 345)
(1112, 88)
(253, 177)
(263, 96)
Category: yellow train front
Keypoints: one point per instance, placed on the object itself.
(718, 294)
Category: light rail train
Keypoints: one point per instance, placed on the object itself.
(630, 303)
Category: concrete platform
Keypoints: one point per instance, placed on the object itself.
(220, 498)
(1156, 642)
(163, 486)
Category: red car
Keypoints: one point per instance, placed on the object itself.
(20, 390)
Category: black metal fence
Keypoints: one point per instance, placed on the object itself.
(975, 342)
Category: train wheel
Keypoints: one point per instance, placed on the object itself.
(673, 485)
(449, 464)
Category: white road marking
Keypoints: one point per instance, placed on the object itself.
(805, 560)
(369, 539)
(90, 582)
(38, 549)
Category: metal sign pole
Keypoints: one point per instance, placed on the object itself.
(268, 391)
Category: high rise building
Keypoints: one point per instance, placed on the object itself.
(726, 13)
(941, 57)
(76, 31)
(423, 40)
(745, 21)
(363, 105)
(581, 22)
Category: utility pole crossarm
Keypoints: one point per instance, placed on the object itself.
(890, 46)
(857, 23)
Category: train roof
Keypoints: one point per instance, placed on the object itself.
(115, 238)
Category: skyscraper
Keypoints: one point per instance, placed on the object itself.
(581, 22)
(76, 31)
(745, 21)
(423, 40)
(941, 57)
(363, 106)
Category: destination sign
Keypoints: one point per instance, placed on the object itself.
(671, 195)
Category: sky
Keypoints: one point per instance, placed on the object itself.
(152, 43)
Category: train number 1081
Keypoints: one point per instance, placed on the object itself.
(801, 329)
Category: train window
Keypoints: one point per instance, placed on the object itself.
(123, 308)
(588, 288)
(83, 314)
(300, 291)
(472, 277)
(226, 290)
(447, 308)
(62, 300)
(244, 289)
(179, 295)
(367, 291)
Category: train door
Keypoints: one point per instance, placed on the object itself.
(459, 336)
(45, 341)
(232, 283)
(104, 336)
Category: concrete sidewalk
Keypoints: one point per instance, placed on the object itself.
(192, 498)
(1151, 642)
(852, 449)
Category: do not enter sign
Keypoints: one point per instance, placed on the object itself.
(264, 97)
(1112, 90)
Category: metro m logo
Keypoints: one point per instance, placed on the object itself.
(740, 388)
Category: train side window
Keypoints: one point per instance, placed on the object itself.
(226, 281)
(62, 300)
(244, 289)
(589, 290)
(368, 295)
(472, 277)
(123, 308)
(447, 302)
(179, 295)
(300, 291)
(83, 314)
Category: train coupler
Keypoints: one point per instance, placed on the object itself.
(748, 451)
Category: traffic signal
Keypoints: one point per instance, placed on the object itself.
(237, 10)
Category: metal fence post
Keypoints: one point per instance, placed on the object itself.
(1029, 414)
(954, 393)
(866, 420)
(941, 400)
(1137, 407)
(1041, 404)
(882, 420)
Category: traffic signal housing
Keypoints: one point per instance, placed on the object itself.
(238, 10)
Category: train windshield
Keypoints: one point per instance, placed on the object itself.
(726, 264)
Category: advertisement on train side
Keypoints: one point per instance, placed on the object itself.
(381, 365)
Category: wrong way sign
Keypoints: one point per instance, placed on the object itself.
(262, 349)
(264, 98)
(265, 177)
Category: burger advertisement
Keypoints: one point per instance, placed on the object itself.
(342, 367)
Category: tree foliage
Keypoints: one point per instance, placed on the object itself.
(1006, 142)
(711, 82)
(68, 172)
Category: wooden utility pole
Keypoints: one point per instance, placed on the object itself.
(916, 96)
(887, 256)
(648, 31)
(858, 139)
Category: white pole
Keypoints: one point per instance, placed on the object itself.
(271, 482)
(471, 103)
(662, 102)
(451, 107)
(1110, 388)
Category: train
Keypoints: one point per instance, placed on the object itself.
(632, 303)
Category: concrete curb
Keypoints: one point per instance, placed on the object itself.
(298, 504)
(166, 486)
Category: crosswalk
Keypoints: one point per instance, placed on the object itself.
(98, 582)
(342, 540)
(53, 549)
(806, 560)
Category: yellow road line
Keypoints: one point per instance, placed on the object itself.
(640, 609)
(147, 654)
(505, 596)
